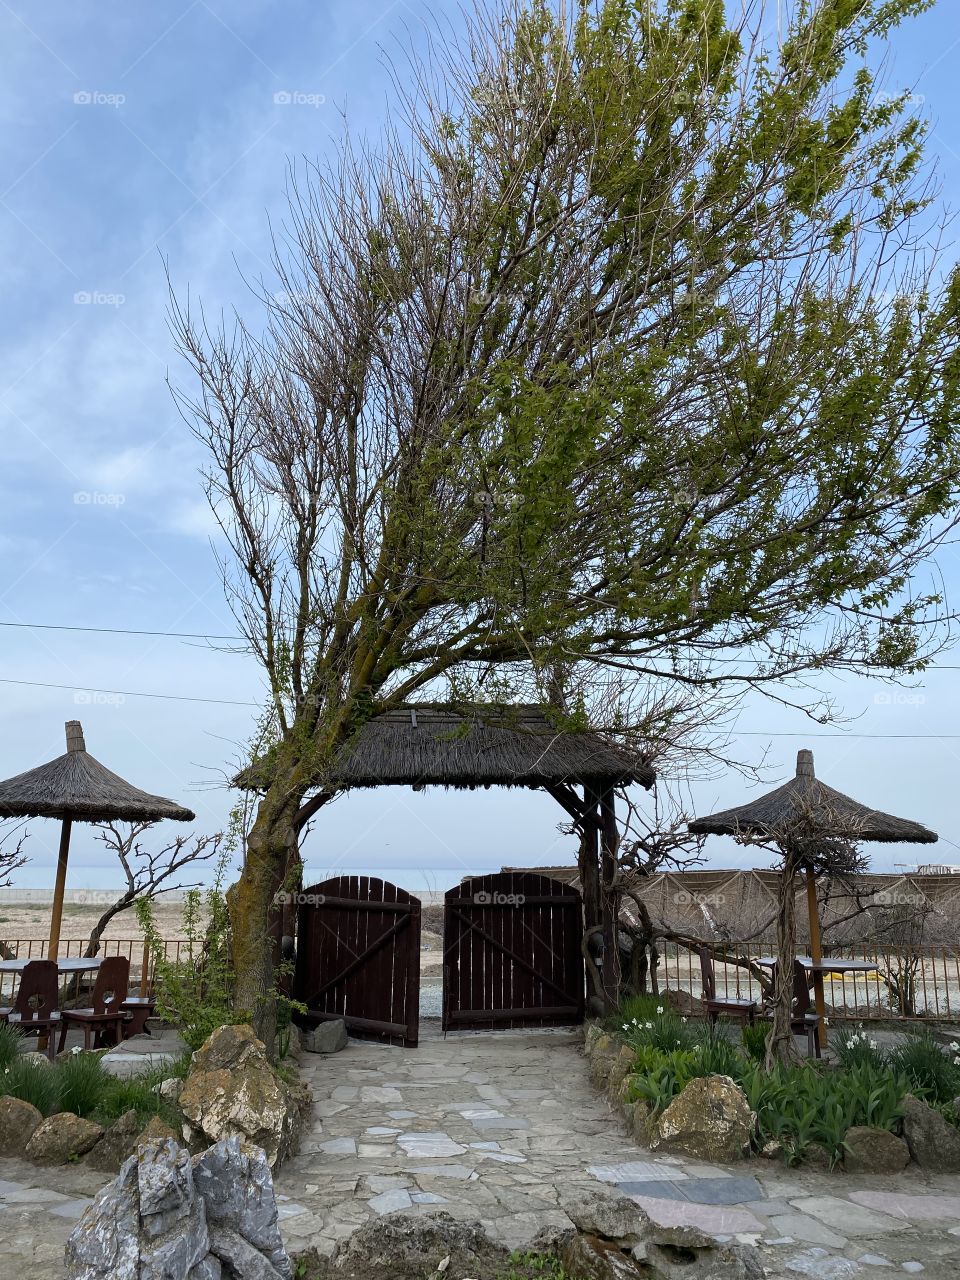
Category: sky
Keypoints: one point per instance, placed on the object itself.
(139, 140)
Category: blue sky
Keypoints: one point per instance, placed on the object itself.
(136, 136)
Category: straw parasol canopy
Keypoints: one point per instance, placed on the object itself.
(75, 787)
(806, 795)
(805, 799)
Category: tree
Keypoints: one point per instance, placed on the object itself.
(148, 873)
(621, 347)
(12, 858)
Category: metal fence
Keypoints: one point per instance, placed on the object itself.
(907, 982)
(36, 949)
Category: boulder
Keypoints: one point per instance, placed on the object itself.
(119, 1142)
(167, 1217)
(592, 1032)
(642, 1123)
(871, 1150)
(592, 1258)
(710, 1120)
(934, 1143)
(233, 1090)
(171, 1089)
(61, 1138)
(235, 1182)
(35, 1059)
(19, 1121)
(409, 1248)
(155, 1131)
(620, 1069)
(325, 1037)
(606, 1214)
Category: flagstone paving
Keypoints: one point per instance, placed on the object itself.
(502, 1127)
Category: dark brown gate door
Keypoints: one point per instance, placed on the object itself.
(512, 956)
(358, 957)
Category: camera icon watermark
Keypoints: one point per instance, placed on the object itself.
(687, 898)
(92, 698)
(485, 899)
(284, 899)
(296, 98)
(98, 298)
(97, 98)
(898, 698)
(93, 498)
(898, 898)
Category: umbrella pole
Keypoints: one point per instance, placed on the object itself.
(58, 890)
(816, 955)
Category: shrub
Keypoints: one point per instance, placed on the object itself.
(931, 1074)
(855, 1048)
(9, 1045)
(660, 1075)
(82, 1083)
(33, 1082)
(754, 1038)
(664, 1029)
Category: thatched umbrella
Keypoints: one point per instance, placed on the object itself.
(77, 788)
(805, 798)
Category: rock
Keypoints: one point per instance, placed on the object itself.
(232, 1090)
(61, 1138)
(620, 1069)
(592, 1032)
(155, 1131)
(119, 1142)
(19, 1121)
(409, 1248)
(934, 1143)
(590, 1258)
(36, 1059)
(709, 1120)
(171, 1089)
(234, 1180)
(874, 1151)
(602, 1057)
(104, 1245)
(684, 1003)
(325, 1037)
(817, 1156)
(158, 1221)
(643, 1123)
(610, 1216)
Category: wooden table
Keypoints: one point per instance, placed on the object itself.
(818, 968)
(65, 964)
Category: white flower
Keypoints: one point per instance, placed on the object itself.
(683, 1019)
(625, 1027)
(954, 1046)
(659, 1008)
(648, 1025)
(76, 1049)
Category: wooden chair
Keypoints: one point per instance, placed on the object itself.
(106, 1013)
(34, 1011)
(140, 1008)
(744, 1009)
(804, 1020)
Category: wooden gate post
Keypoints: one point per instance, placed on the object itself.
(610, 907)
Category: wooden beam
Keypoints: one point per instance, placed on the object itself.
(609, 843)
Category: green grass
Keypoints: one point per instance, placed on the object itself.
(9, 1045)
(932, 1073)
(32, 1082)
(82, 1083)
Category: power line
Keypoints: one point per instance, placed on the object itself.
(118, 631)
(128, 693)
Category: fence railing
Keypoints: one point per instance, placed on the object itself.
(907, 982)
(132, 948)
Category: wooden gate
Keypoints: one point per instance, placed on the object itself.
(358, 958)
(512, 954)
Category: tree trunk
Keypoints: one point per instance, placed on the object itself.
(781, 1046)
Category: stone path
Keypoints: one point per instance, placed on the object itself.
(501, 1126)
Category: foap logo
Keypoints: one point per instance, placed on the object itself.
(95, 698)
(898, 698)
(484, 899)
(93, 498)
(898, 898)
(284, 899)
(495, 499)
(296, 98)
(887, 99)
(97, 98)
(98, 298)
(686, 898)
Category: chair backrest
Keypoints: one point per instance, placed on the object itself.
(801, 990)
(110, 989)
(39, 992)
(707, 973)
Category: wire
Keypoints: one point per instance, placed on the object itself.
(119, 631)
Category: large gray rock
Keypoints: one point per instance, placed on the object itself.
(871, 1150)
(61, 1138)
(592, 1258)
(158, 1221)
(234, 1180)
(409, 1248)
(117, 1144)
(325, 1037)
(233, 1090)
(934, 1143)
(710, 1120)
(610, 1216)
(19, 1121)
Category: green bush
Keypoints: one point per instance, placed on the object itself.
(931, 1074)
(9, 1045)
(754, 1038)
(82, 1083)
(855, 1048)
(32, 1082)
(663, 1029)
(717, 1055)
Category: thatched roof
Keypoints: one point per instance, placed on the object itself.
(77, 786)
(806, 794)
(427, 744)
